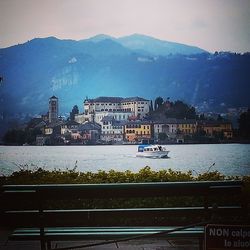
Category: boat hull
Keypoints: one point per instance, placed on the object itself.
(161, 154)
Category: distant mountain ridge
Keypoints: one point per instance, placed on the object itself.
(136, 65)
(150, 45)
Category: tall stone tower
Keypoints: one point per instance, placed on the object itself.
(53, 109)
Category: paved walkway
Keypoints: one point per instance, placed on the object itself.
(145, 244)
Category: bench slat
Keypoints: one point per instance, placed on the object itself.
(102, 233)
(122, 190)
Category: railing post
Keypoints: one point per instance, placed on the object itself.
(41, 224)
(206, 204)
(49, 245)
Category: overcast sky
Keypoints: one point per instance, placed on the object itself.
(214, 25)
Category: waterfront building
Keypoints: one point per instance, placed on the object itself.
(75, 136)
(214, 128)
(172, 126)
(90, 132)
(53, 109)
(136, 131)
(112, 130)
(41, 140)
(187, 126)
(167, 126)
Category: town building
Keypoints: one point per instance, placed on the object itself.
(187, 126)
(112, 130)
(42, 140)
(174, 128)
(69, 127)
(217, 128)
(137, 131)
(90, 132)
(53, 128)
(167, 126)
(76, 136)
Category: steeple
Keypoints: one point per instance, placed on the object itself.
(53, 109)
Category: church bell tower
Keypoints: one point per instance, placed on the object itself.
(53, 109)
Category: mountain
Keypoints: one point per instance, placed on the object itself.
(149, 45)
(106, 66)
(99, 38)
(157, 47)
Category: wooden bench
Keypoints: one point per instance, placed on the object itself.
(118, 212)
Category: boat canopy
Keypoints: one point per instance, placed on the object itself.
(141, 147)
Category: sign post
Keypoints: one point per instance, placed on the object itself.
(231, 237)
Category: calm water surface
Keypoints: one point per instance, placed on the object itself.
(229, 159)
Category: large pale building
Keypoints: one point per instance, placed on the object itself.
(116, 115)
(138, 107)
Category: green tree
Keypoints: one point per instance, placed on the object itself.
(15, 136)
(30, 135)
(151, 108)
(181, 110)
(158, 102)
(74, 112)
(244, 125)
(20, 136)
(220, 118)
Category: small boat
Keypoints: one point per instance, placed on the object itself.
(152, 151)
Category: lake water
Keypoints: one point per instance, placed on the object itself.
(229, 159)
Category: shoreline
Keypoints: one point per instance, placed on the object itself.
(132, 144)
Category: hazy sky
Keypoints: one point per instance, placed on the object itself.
(209, 24)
